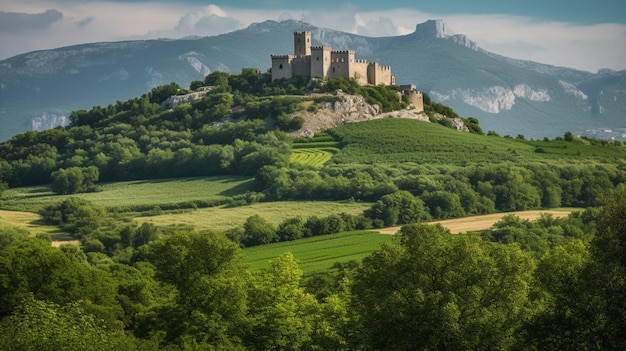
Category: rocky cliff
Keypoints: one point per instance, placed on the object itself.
(352, 109)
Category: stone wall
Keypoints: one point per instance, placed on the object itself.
(320, 61)
(281, 67)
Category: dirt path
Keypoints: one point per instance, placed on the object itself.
(476, 223)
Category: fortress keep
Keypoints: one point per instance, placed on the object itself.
(323, 62)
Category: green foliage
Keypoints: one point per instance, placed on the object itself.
(444, 110)
(258, 231)
(74, 179)
(284, 314)
(435, 291)
(161, 93)
(398, 208)
(206, 271)
(473, 125)
(33, 266)
(77, 216)
(384, 96)
(3, 187)
(40, 325)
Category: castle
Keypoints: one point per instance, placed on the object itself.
(322, 62)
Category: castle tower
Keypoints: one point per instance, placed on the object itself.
(320, 61)
(302, 43)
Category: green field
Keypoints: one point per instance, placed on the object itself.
(317, 254)
(314, 157)
(146, 193)
(392, 141)
(222, 218)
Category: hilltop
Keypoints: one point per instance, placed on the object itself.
(40, 89)
(160, 263)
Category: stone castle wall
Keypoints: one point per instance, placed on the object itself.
(323, 62)
(281, 66)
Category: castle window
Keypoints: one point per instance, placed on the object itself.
(281, 66)
(318, 58)
(333, 69)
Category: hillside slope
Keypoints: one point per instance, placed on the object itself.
(39, 89)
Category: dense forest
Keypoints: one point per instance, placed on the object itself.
(557, 283)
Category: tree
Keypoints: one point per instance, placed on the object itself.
(196, 84)
(283, 314)
(77, 216)
(161, 93)
(74, 179)
(31, 266)
(258, 231)
(40, 325)
(291, 229)
(218, 80)
(400, 207)
(568, 136)
(208, 275)
(443, 204)
(431, 290)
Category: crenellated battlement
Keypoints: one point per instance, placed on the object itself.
(343, 52)
(340, 63)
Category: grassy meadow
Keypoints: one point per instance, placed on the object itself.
(28, 221)
(392, 141)
(146, 193)
(317, 254)
(222, 217)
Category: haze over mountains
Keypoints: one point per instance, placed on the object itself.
(40, 89)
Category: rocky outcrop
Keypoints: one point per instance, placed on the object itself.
(349, 109)
(48, 121)
(175, 100)
(430, 29)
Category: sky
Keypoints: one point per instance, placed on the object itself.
(586, 35)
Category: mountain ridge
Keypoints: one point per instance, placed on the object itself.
(508, 95)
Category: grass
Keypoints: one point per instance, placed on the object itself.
(31, 222)
(317, 254)
(392, 141)
(222, 218)
(314, 157)
(120, 195)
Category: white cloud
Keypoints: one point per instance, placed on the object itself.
(586, 47)
(211, 20)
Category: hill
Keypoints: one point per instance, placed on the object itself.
(132, 284)
(39, 89)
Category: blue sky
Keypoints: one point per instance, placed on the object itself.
(587, 35)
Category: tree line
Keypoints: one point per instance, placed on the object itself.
(426, 290)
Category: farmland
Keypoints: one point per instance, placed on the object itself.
(222, 218)
(317, 254)
(392, 141)
(133, 194)
(314, 157)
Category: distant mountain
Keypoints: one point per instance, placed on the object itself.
(39, 89)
